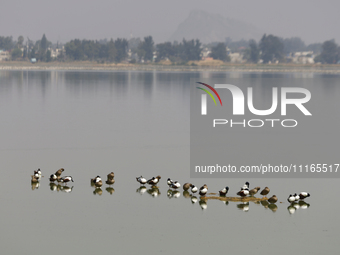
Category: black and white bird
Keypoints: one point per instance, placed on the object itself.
(96, 179)
(297, 197)
(291, 198)
(304, 195)
(154, 180)
(37, 172)
(175, 185)
(194, 189)
(245, 186)
(203, 190)
(66, 179)
(53, 178)
(243, 193)
(224, 191)
(169, 182)
(141, 180)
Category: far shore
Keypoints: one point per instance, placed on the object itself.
(199, 67)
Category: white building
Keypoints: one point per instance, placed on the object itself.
(4, 55)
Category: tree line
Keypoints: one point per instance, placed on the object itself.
(270, 48)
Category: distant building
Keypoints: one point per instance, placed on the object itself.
(4, 55)
(56, 52)
(236, 57)
(303, 57)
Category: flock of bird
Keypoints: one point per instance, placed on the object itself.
(36, 177)
(244, 191)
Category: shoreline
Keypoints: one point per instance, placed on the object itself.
(228, 67)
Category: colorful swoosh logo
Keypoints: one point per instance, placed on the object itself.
(208, 92)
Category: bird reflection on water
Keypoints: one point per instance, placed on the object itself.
(98, 191)
(58, 187)
(293, 207)
(110, 190)
(154, 191)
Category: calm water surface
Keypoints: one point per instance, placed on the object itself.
(137, 123)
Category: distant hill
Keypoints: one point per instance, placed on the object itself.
(210, 27)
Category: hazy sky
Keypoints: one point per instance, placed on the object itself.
(68, 19)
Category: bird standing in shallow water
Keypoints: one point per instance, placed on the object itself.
(265, 191)
(297, 197)
(53, 178)
(34, 179)
(291, 198)
(194, 189)
(66, 179)
(243, 193)
(59, 172)
(224, 191)
(304, 195)
(203, 190)
(245, 186)
(169, 182)
(253, 191)
(110, 181)
(110, 176)
(186, 186)
(154, 180)
(141, 180)
(175, 185)
(272, 200)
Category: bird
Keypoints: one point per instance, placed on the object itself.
(245, 186)
(110, 181)
(34, 179)
(169, 182)
(224, 191)
(272, 200)
(98, 183)
(265, 191)
(304, 195)
(291, 198)
(38, 172)
(66, 179)
(59, 172)
(193, 188)
(297, 197)
(243, 193)
(154, 180)
(203, 190)
(111, 176)
(53, 178)
(96, 179)
(175, 185)
(186, 186)
(253, 191)
(141, 180)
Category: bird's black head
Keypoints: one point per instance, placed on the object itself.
(227, 188)
(247, 183)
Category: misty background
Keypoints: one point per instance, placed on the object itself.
(170, 20)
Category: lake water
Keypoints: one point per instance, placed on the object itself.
(137, 123)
